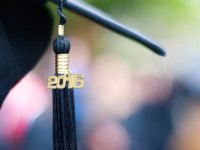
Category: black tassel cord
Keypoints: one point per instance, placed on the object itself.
(64, 129)
(64, 124)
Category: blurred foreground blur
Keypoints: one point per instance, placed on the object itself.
(133, 99)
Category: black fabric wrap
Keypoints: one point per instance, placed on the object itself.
(61, 45)
(25, 30)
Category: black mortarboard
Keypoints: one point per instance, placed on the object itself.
(25, 29)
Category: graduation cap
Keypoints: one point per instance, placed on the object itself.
(25, 30)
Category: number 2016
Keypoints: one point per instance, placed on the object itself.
(59, 82)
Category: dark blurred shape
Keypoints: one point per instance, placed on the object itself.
(152, 127)
(25, 29)
(40, 135)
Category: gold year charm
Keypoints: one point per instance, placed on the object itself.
(60, 82)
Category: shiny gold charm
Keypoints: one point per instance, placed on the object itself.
(59, 82)
(63, 75)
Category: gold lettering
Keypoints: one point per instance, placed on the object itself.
(52, 82)
(61, 83)
(70, 80)
(79, 81)
(73, 81)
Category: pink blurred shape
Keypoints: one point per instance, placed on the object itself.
(24, 104)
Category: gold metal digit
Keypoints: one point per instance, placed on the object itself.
(61, 83)
(52, 82)
(78, 81)
(70, 79)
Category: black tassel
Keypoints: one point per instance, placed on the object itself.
(64, 125)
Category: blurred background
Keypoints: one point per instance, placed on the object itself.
(132, 99)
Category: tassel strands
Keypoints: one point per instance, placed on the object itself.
(64, 126)
(62, 84)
